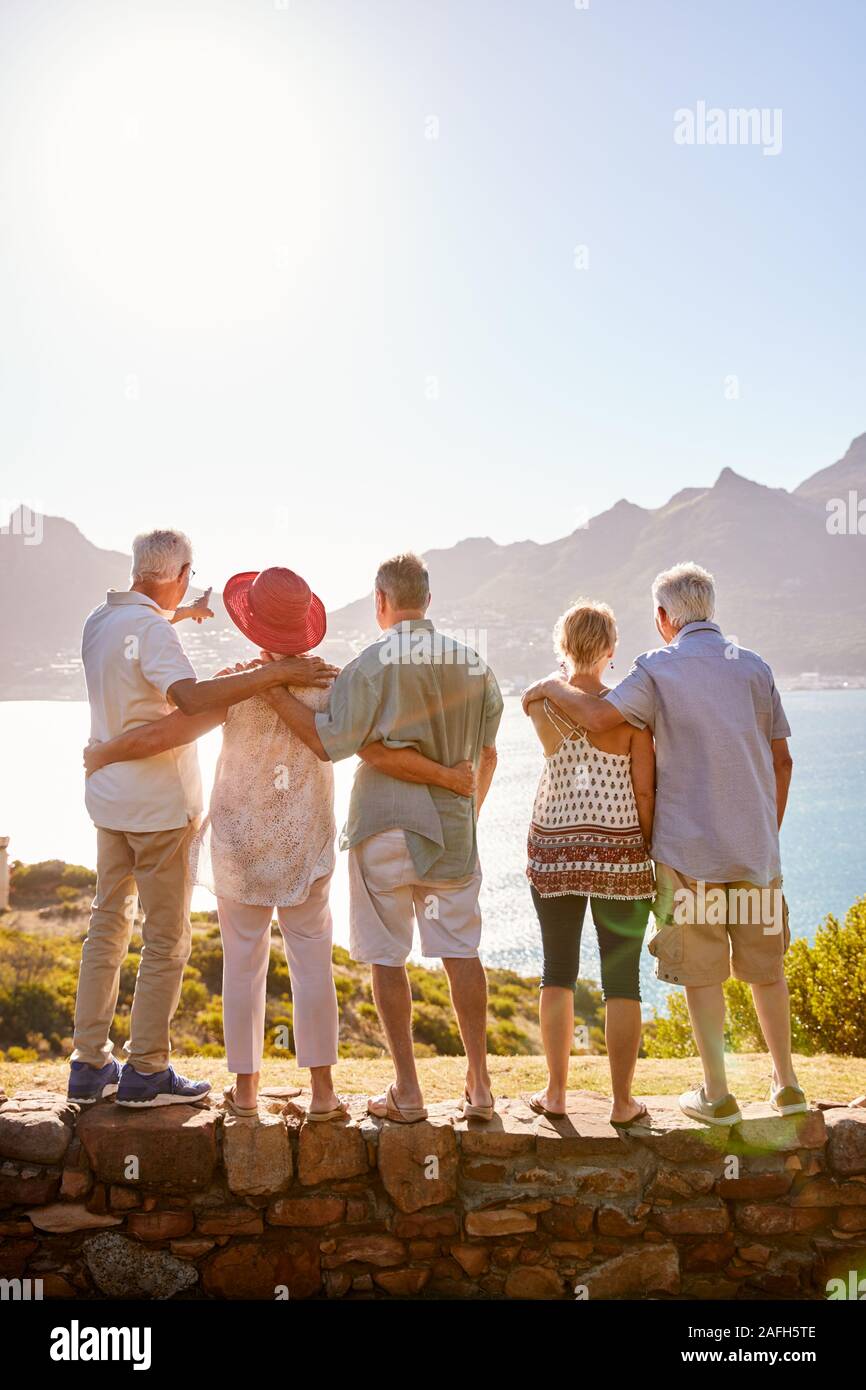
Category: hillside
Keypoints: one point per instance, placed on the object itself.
(41, 936)
(786, 586)
(40, 948)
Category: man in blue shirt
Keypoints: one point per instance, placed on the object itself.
(723, 773)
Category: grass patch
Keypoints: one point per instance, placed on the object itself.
(824, 1077)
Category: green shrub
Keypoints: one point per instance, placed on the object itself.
(431, 1025)
(279, 979)
(359, 1049)
(30, 882)
(742, 1029)
(193, 995)
(502, 1005)
(827, 981)
(206, 957)
(345, 987)
(507, 1040)
(429, 986)
(76, 876)
(210, 1023)
(34, 1008)
(671, 1035)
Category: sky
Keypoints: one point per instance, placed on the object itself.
(320, 280)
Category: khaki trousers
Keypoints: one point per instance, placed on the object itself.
(152, 866)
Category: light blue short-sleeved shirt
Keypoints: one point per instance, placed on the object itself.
(714, 710)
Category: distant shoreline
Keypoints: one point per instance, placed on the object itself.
(794, 687)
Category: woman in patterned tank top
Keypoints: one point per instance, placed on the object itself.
(588, 843)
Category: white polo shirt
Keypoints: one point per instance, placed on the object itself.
(131, 656)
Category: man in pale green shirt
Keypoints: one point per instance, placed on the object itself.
(412, 847)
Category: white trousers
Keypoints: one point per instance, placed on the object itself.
(306, 931)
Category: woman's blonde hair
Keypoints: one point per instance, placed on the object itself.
(584, 634)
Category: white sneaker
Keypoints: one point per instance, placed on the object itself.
(788, 1100)
(724, 1112)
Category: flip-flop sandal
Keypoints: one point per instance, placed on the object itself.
(239, 1111)
(320, 1117)
(639, 1121)
(476, 1112)
(537, 1104)
(410, 1116)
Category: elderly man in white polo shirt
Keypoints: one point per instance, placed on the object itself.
(146, 812)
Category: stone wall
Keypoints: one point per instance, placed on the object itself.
(187, 1201)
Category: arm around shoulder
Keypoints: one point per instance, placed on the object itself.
(592, 712)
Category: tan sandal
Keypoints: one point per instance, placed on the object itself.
(391, 1110)
(320, 1117)
(476, 1112)
(240, 1112)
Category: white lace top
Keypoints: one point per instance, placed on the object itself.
(269, 832)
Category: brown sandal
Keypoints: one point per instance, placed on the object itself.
(642, 1120)
(410, 1116)
(240, 1112)
(476, 1112)
(320, 1117)
(537, 1104)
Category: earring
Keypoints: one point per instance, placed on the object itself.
(611, 665)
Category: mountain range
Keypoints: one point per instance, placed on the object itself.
(788, 585)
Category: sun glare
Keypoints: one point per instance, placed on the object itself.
(181, 178)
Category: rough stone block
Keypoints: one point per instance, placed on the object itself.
(257, 1156)
(306, 1211)
(846, 1149)
(499, 1221)
(327, 1152)
(418, 1163)
(36, 1127)
(651, 1269)
(22, 1184)
(263, 1269)
(175, 1145)
(62, 1217)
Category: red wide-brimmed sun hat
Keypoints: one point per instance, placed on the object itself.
(276, 609)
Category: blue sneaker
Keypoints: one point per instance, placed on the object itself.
(88, 1084)
(160, 1088)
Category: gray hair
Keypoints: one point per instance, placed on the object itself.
(404, 581)
(686, 592)
(160, 555)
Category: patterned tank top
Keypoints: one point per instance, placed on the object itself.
(585, 837)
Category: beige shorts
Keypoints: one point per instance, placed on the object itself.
(706, 932)
(387, 898)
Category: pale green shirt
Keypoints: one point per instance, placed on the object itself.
(414, 688)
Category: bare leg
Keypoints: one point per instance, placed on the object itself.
(622, 1029)
(247, 1089)
(394, 1003)
(773, 1007)
(468, 984)
(556, 1016)
(707, 1011)
(324, 1096)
